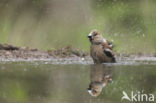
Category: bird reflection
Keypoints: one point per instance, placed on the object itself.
(100, 76)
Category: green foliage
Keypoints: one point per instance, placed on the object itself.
(50, 24)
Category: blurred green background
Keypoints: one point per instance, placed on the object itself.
(52, 24)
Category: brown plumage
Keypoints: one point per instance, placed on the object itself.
(100, 76)
(101, 49)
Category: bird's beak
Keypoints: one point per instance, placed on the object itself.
(90, 92)
(90, 37)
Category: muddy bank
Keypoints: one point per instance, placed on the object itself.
(66, 53)
(10, 51)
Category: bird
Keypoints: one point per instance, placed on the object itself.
(100, 76)
(95, 89)
(101, 50)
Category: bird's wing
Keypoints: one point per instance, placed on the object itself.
(110, 44)
(108, 52)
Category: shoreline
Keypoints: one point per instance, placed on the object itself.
(9, 52)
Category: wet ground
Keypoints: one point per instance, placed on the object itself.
(66, 80)
(13, 52)
(66, 55)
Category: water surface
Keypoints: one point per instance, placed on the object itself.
(46, 82)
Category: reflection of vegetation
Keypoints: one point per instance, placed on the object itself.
(22, 85)
(38, 83)
(130, 78)
(53, 24)
(13, 91)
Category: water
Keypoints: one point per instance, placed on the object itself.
(46, 82)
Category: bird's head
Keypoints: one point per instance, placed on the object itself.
(95, 89)
(95, 36)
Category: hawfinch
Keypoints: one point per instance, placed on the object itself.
(101, 49)
(100, 77)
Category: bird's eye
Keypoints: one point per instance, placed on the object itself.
(95, 34)
(94, 91)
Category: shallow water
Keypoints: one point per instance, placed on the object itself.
(47, 82)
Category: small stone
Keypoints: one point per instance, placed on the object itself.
(82, 59)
